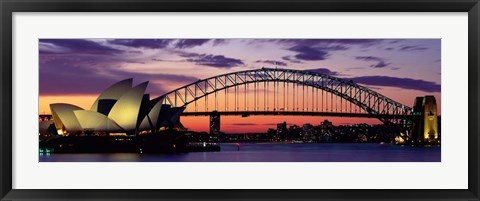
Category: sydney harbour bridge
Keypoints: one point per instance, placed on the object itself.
(272, 91)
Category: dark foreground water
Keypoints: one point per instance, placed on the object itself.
(258, 152)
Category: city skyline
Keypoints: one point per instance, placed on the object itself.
(76, 70)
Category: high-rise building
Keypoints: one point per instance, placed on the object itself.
(214, 123)
(282, 129)
(308, 131)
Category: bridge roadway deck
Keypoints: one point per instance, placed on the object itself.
(295, 113)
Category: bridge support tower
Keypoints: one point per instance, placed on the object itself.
(425, 129)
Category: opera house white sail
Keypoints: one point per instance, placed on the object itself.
(64, 118)
(126, 109)
(121, 108)
(94, 121)
(113, 92)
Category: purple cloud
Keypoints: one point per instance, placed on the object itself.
(218, 61)
(323, 71)
(327, 42)
(381, 63)
(273, 62)
(404, 83)
(142, 43)
(77, 46)
(156, 88)
(308, 53)
(319, 49)
(219, 42)
(396, 41)
(290, 59)
(135, 52)
(189, 43)
(413, 48)
(90, 74)
(59, 76)
(188, 54)
(163, 43)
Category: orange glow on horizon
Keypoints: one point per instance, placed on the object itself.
(83, 101)
(252, 124)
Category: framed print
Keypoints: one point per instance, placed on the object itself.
(197, 100)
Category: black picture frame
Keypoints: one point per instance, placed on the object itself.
(8, 7)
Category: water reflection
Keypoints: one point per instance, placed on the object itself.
(251, 152)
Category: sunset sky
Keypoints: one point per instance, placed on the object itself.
(75, 71)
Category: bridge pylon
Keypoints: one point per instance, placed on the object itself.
(425, 128)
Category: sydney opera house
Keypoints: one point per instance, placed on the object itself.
(120, 109)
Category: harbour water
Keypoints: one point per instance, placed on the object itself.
(268, 152)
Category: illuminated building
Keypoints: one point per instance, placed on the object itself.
(308, 131)
(120, 108)
(282, 129)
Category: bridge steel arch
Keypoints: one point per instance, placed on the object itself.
(368, 100)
